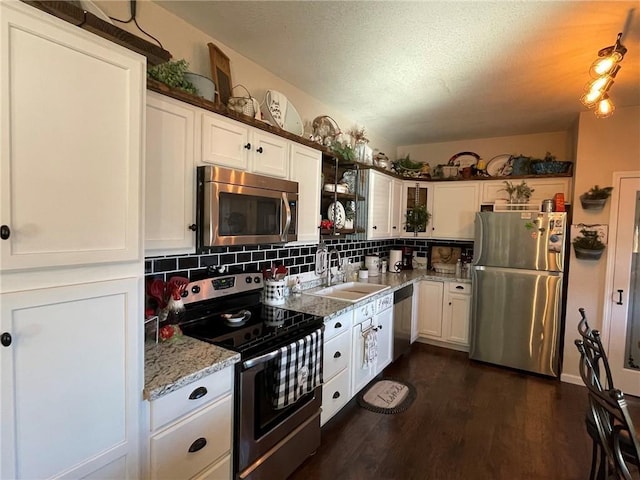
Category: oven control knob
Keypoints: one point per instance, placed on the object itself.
(256, 279)
(195, 289)
(247, 280)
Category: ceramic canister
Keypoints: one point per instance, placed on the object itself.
(395, 260)
(372, 263)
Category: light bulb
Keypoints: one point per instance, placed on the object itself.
(605, 65)
(605, 108)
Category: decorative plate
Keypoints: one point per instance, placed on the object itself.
(464, 159)
(337, 215)
(500, 165)
(280, 112)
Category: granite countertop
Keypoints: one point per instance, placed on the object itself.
(171, 365)
(329, 308)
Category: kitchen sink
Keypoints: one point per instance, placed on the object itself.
(350, 291)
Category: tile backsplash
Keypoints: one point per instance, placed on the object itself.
(297, 259)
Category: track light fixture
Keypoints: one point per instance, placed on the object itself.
(603, 70)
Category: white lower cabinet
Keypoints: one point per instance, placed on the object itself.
(191, 430)
(336, 365)
(444, 310)
(372, 315)
(71, 381)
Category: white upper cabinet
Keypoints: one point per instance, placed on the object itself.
(379, 198)
(413, 194)
(269, 155)
(397, 219)
(232, 144)
(305, 168)
(543, 188)
(225, 142)
(170, 177)
(70, 155)
(454, 207)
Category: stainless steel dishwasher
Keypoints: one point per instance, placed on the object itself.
(402, 309)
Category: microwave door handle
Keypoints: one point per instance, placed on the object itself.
(287, 224)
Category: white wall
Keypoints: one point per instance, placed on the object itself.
(536, 145)
(604, 146)
(185, 41)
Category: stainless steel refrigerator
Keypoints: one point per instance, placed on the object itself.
(517, 280)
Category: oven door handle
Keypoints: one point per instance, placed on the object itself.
(252, 362)
(287, 223)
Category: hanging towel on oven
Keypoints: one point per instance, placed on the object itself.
(370, 351)
(297, 370)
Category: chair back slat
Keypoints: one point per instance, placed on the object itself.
(597, 354)
(610, 413)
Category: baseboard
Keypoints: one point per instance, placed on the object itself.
(439, 343)
(575, 379)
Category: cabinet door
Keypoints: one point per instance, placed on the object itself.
(360, 374)
(543, 188)
(414, 193)
(430, 309)
(170, 177)
(71, 386)
(71, 149)
(454, 207)
(305, 168)
(379, 215)
(225, 142)
(269, 154)
(457, 310)
(397, 219)
(384, 320)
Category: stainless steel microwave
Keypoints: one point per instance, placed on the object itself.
(240, 208)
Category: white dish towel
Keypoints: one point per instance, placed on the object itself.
(370, 347)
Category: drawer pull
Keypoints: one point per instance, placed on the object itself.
(337, 355)
(338, 325)
(199, 444)
(198, 393)
(460, 287)
(336, 395)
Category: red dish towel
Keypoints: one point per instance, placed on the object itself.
(297, 370)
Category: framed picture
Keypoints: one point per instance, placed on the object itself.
(220, 73)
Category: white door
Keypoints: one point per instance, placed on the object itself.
(71, 143)
(624, 307)
(384, 321)
(270, 154)
(306, 170)
(170, 177)
(379, 196)
(430, 296)
(71, 387)
(454, 210)
(225, 142)
(396, 208)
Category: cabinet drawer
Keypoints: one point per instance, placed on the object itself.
(335, 395)
(337, 325)
(220, 471)
(336, 355)
(463, 288)
(176, 404)
(364, 312)
(170, 455)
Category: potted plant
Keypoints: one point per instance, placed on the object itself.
(595, 198)
(343, 150)
(518, 194)
(588, 245)
(417, 219)
(172, 73)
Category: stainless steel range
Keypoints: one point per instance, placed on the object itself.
(278, 391)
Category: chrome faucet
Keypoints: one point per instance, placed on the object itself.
(330, 275)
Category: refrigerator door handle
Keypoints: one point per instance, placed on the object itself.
(542, 273)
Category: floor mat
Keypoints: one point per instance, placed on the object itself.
(387, 396)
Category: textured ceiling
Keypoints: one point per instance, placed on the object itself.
(421, 72)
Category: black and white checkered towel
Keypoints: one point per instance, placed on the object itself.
(297, 370)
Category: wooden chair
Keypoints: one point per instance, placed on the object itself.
(616, 448)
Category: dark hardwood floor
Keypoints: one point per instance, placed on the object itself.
(470, 421)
